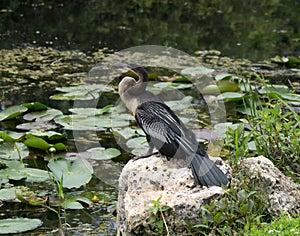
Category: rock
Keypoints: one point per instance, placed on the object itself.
(150, 178)
(282, 192)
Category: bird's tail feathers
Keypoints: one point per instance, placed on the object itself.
(206, 172)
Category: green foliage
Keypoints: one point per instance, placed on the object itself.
(286, 226)
(157, 218)
(274, 128)
(242, 207)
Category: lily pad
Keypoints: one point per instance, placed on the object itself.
(72, 175)
(46, 115)
(231, 96)
(91, 111)
(11, 136)
(180, 104)
(12, 112)
(38, 143)
(101, 153)
(7, 194)
(194, 71)
(18, 225)
(29, 174)
(138, 145)
(35, 106)
(81, 122)
(38, 125)
(126, 132)
(82, 92)
(275, 89)
(48, 135)
(13, 151)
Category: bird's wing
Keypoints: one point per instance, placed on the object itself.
(157, 121)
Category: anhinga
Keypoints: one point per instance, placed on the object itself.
(165, 131)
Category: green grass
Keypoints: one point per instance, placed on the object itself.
(285, 226)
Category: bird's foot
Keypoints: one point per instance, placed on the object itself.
(144, 156)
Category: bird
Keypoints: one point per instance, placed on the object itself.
(165, 131)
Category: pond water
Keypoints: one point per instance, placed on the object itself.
(255, 30)
(258, 30)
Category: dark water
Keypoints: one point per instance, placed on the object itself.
(242, 29)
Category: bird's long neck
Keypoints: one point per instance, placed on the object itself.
(141, 84)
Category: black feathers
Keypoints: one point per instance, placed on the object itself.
(169, 135)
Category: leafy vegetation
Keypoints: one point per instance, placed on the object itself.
(39, 167)
(158, 222)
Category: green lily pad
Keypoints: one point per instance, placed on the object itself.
(275, 89)
(81, 122)
(35, 106)
(101, 153)
(38, 125)
(73, 205)
(138, 145)
(11, 136)
(222, 76)
(180, 104)
(12, 112)
(38, 143)
(126, 132)
(73, 175)
(29, 174)
(46, 115)
(91, 111)
(47, 135)
(18, 225)
(231, 96)
(7, 194)
(82, 92)
(194, 71)
(164, 85)
(60, 147)
(13, 151)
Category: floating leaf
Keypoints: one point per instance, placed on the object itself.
(48, 135)
(13, 151)
(231, 96)
(39, 143)
(164, 85)
(60, 147)
(11, 136)
(38, 125)
(74, 205)
(138, 145)
(194, 71)
(222, 76)
(18, 225)
(126, 132)
(46, 115)
(81, 122)
(7, 194)
(82, 92)
(73, 175)
(180, 104)
(35, 106)
(29, 174)
(275, 89)
(101, 153)
(12, 112)
(91, 111)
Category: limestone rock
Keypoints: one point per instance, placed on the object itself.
(150, 178)
(283, 193)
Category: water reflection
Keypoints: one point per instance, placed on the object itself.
(254, 30)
